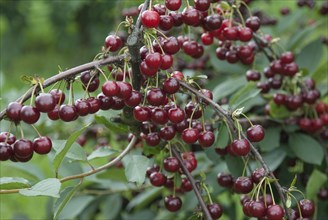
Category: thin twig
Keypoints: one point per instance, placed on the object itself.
(68, 74)
(193, 183)
(93, 171)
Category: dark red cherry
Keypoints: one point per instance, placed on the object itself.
(253, 23)
(171, 85)
(7, 136)
(67, 113)
(150, 19)
(202, 5)
(279, 99)
(253, 75)
(176, 115)
(153, 60)
(13, 111)
(243, 185)
(157, 179)
(141, 113)
(231, 56)
(172, 203)
(167, 133)
(255, 133)
(230, 33)
(186, 185)
(171, 46)
(171, 164)
(134, 99)
(125, 90)
(225, 180)
(58, 95)
(258, 175)
(29, 114)
(293, 102)
(159, 116)
(307, 207)
(190, 135)
(23, 148)
(6, 151)
(173, 5)
(150, 170)
(94, 105)
(287, 57)
(82, 107)
(240, 147)
(156, 97)
(42, 145)
(153, 139)
(147, 71)
(215, 210)
(165, 22)
(275, 212)
(190, 16)
(113, 43)
(206, 138)
(257, 209)
(207, 39)
(167, 62)
(177, 18)
(193, 111)
(110, 88)
(245, 34)
(105, 101)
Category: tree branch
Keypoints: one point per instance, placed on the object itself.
(85, 174)
(257, 155)
(193, 183)
(69, 73)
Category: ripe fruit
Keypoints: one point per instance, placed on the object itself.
(275, 212)
(307, 207)
(215, 210)
(190, 135)
(159, 116)
(153, 139)
(245, 34)
(125, 90)
(225, 180)
(42, 145)
(243, 185)
(186, 185)
(173, 5)
(176, 115)
(150, 19)
(253, 23)
(13, 111)
(258, 175)
(58, 95)
(157, 179)
(155, 97)
(110, 88)
(171, 164)
(67, 113)
(206, 138)
(113, 43)
(257, 209)
(141, 113)
(190, 16)
(7, 136)
(171, 85)
(255, 133)
(23, 148)
(6, 151)
(240, 147)
(29, 114)
(172, 204)
(153, 60)
(82, 107)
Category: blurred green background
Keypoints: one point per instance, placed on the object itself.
(40, 37)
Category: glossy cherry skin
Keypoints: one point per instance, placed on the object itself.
(257, 209)
(172, 204)
(150, 19)
(186, 185)
(153, 139)
(82, 107)
(171, 85)
(110, 88)
(29, 114)
(141, 113)
(240, 147)
(155, 97)
(258, 175)
(134, 99)
(159, 116)
(45, 102)
(13, 111)
(275, 212)
(125, 90)
(307, 207)
(113, 43)
(171, 164)
(190, 135)
(42, 145)
(157, 179)
(6, 151)
(225, 180)
(206, 138)
(255, 133)
(23, 148)
(243, 185)
(67, 113)
(58, 95)
(7, 136)
(215, 210)
(167, 133)
(173, 5)
(176, 115)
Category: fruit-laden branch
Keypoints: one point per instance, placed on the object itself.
(91, 172)
(257, 155)
(70, 73)
(193, 183)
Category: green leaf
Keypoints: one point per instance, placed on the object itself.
(47, 187)
(235, 165)
(278, 111)
(115, 203)
(76, 152)
(306, 148)
(135, 168)
(31, 170)
(63, 151)
(249, 91)
(316, 180)
(75, 207)
(271, 139)
(222, 137)
(286, 22)
(13, 183)
(102, 152)
(228, 87)
(299, 37)
(274, 158)
(311, 63)
(117, 128)
(65, 196)
(113, 173)
(143, 199)
(292, 184)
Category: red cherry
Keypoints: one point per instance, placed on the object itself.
(13, 111)
(243, 185)
(157, 179)
(67, 113)
(42, 145)
(58, 95)
(253, 23)
(258, 175)
(206, 138)
(134, 99)
(150, 19)
(7, 136)
(245, 34)
(6, 151)
(202, 5)
(225, 180)
(171, 164)
(186, 185)
(45, 102)
(176, 115)
(94, 105)
(23, 148)
(257, 209)
(125, 90)
(110, 88)
(82, 107)
(105, 101)
(156, 97)
(172, 203)
(29, 114)
(141, 113)
(167, 133)
(240, 147)
(167, 62)
(171, 85)
(307, 207)
(113, 43)
(173, 5)
(215, 210)
(190, 135)
(255, 133)
(275, 212)
(153, 60)
(159, 116)
(190, 16)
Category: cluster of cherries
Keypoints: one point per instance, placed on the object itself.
(172, 165)
(262, 207)
(22, 150)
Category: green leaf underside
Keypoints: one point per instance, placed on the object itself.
(75, 206)
(118, 128)
(47, 187)
(13, 183)
(306, 148)
(135, 168)
(102, 152)
(316, 180)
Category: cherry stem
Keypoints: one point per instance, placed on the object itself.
(33, 93)
(269, 184)
(298, 206)
(36, 130)
(102, 73)
(245, 165)
(7, 136)
(21, 131)
(241, 17)
(161, 33)
(193, 183)
(119, 25)
(208, 193)
(41, 87)
(187, 2)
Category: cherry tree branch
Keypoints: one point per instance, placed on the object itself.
(91, 172)
(193, 183)
(257, 155)
(68, 74)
